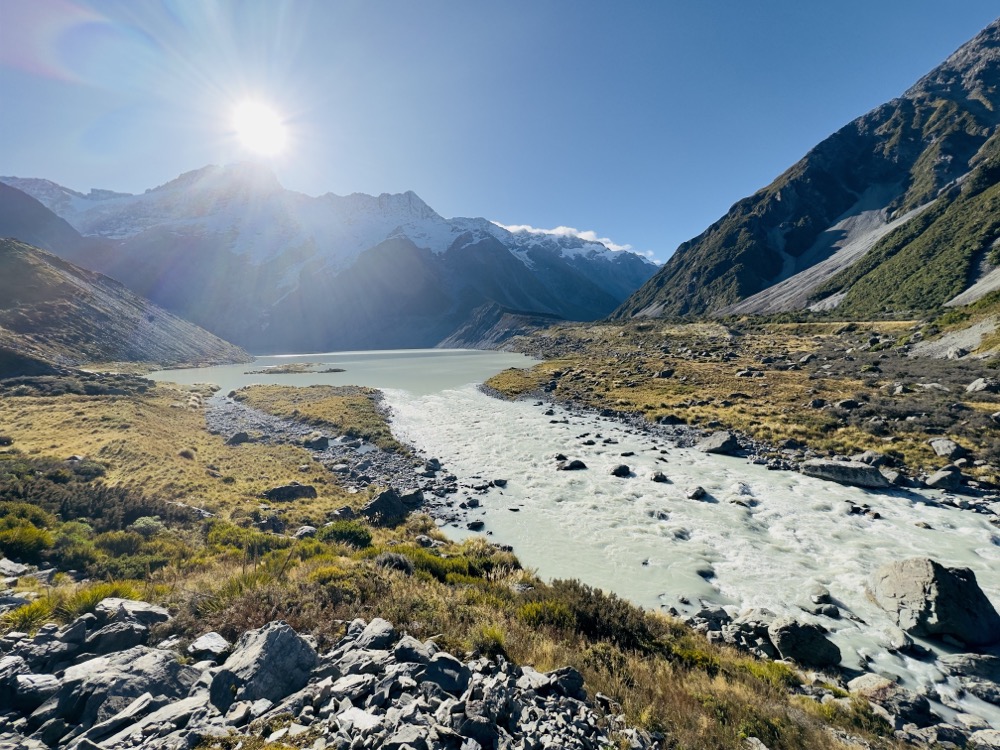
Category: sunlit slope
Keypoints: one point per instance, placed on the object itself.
(931, 147)
(55, 311)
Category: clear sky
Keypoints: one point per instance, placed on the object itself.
(640, 121)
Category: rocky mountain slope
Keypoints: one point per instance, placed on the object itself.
(275, 270)
(52, 311)
(895, 212)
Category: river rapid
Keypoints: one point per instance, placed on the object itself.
(758, 538)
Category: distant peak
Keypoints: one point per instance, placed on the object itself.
(248, 174)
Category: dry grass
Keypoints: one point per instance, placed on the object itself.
(619, 366)
(348, 410)
(157, 444)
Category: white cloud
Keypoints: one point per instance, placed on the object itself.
(587, 235)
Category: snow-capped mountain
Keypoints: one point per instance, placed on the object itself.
(233, 250)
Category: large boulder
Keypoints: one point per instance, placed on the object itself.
(845, 472)
(143, 613)
(803, 643)
(95, 690)
(946, 448)
(927, 599)
(270, 663)
(288, 492)
(391, 506)
(722, 442)
(978, 674)
(898, 706)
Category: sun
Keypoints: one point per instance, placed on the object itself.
(260, 129)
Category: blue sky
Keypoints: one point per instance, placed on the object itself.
(640, 121)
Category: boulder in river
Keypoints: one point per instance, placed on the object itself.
(575, 465)
(722, 442)
(927, 599)
(621, 470)
(845, 472)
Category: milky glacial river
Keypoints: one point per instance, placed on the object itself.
(759, 539)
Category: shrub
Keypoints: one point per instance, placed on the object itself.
(545, 612)
(147, 526)
(25, 541)
(490, 641)
(354, 533)
(28, 617)
(119, 542)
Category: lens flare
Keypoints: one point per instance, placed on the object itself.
(260, 129)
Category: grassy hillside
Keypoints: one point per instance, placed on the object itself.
(55, 311)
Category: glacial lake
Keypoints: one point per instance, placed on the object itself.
(760, 539)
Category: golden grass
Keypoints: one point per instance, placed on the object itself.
(348, 410)
(157, 443)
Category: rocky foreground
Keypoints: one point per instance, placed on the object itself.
(96, 683)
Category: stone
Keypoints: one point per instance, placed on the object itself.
(354, 687)
(269, 662)
(902, 706)
(621, 471)
(448, 673)
(927, 599)
(143, 613)
(696, 493)
(116, 636)
(410, 650)
(978, 674)
(983, 385)
(211, 645)
(391, 506)
(305, 532)
(238, 438)
(948, 478)
(317, 441)
(11, 569)
(95, 690)
(844, 472)
(803, 643)
(722, 442)
(288, 492)
(378, 634)
(573, 465)
(947, 449)
(659, 477)
(987, 739)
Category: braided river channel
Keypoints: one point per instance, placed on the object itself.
(757, 539)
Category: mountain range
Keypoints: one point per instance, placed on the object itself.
(898, 212)
(274, 270)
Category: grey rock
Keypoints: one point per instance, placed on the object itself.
(803, 643)
(978, 674)
(948, 478)
(947, 449)
(354, 687)
(270, 662)
(11, 569)
(410, 650)
(211, 645)
(289, 492)
(448, 673)
(305, 532)
(696, 493)
(391, 506)
(95, 690)
(143, 613)
(985, 739)
(116, 636)
(621, 471)
(927, 599)
(844, 472)
(238, 438)
(378, 634)
(317, 441)
(983, 385)
(902, 706)
(572, 465)
(722, 442)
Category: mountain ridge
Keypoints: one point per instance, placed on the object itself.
(304, 273)
(918, 147)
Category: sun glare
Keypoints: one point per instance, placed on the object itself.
(260, 129)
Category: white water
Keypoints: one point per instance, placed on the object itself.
(797, 531)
